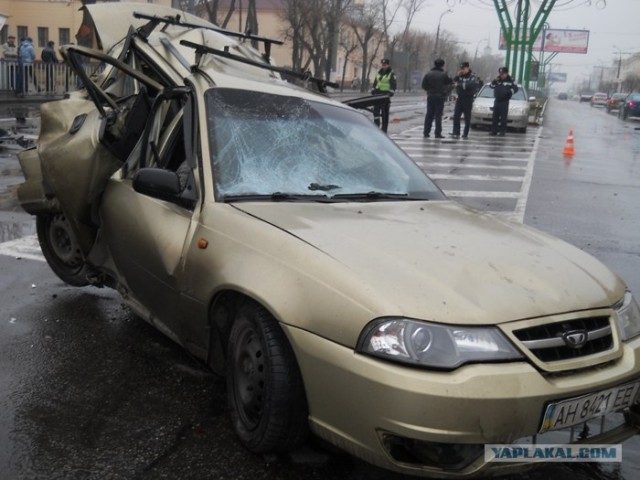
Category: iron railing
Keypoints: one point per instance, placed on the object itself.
(40, 78)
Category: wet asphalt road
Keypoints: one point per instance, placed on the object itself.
(88, 391)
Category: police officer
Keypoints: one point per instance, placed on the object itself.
(437, 84)
(467, 85)
(384, 83)
(503, 88)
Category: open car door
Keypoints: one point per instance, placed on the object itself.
(85, 139)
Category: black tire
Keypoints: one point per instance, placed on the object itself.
(266, 396)
(61, 250)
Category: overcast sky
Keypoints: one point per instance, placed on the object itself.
(610, 22)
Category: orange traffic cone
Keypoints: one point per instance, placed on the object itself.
(568, 150)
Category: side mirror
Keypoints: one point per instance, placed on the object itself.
(157, 183)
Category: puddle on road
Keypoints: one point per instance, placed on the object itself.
(18, 120)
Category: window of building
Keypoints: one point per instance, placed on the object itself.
(43, 36)
(64, 36)
(23, 32)
(4, 33)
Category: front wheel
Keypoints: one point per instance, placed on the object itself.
(265, 390)
(61, 249)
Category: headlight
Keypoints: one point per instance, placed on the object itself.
(518, 110)
(432, 345)
(628, 317)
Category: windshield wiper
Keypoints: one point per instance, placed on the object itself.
(275, 196)
(323, 187)
(375, 196)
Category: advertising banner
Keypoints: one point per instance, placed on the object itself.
(557, 77)
(557, 40)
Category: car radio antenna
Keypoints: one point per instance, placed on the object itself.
(155, 20)
(306, 76)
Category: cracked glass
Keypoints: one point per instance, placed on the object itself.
(296, 149)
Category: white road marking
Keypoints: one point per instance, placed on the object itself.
(25, 247)
(515, 152)
(521, 206)
(466, 176)
(477, 194)
(458, 165)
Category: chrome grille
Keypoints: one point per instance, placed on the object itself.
(548, 342)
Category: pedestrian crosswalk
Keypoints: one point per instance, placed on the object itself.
(485, 172)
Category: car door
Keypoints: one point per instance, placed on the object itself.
(146, 235)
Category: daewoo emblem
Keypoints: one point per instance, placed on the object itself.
(575, 338)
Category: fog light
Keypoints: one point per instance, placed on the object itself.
(449, 456)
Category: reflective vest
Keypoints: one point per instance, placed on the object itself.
(383, 81)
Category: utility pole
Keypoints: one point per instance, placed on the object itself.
(620, 53)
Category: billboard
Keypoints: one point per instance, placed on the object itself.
(556, 77)
(557, 40)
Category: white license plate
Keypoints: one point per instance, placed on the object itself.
(580, 409)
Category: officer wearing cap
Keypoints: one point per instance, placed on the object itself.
(384, 83)
(437, 84)
(467, 85)
(503, 89)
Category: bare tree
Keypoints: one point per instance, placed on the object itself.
(313, 27)
(295, 14)
(349, 45)
(415, 48)
(367, 24)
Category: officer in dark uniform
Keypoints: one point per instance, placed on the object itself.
(384, 83)
(437, 84)
(467, 85)
(503, 88)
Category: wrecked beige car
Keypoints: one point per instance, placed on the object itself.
(289, 244)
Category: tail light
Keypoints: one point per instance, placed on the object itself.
(632, 104)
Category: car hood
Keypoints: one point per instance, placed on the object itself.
(445, 262)
(112, 22)
(484, 102)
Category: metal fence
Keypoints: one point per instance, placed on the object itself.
(40, 78)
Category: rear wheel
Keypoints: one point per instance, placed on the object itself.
(61, 249)
(265, 390)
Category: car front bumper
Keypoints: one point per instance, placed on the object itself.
(486, 119)
(372, 408)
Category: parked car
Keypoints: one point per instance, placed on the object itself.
(519, 107)
(630, 106)
(290, 245)
(614, 102)
(562, 96)
(586, 97)
(599, 99)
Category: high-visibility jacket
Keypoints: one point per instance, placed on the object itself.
(385, 81)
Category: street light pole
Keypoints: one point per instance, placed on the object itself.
(620, 53)
(435, 48)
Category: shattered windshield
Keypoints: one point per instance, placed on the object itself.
(288, 148)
